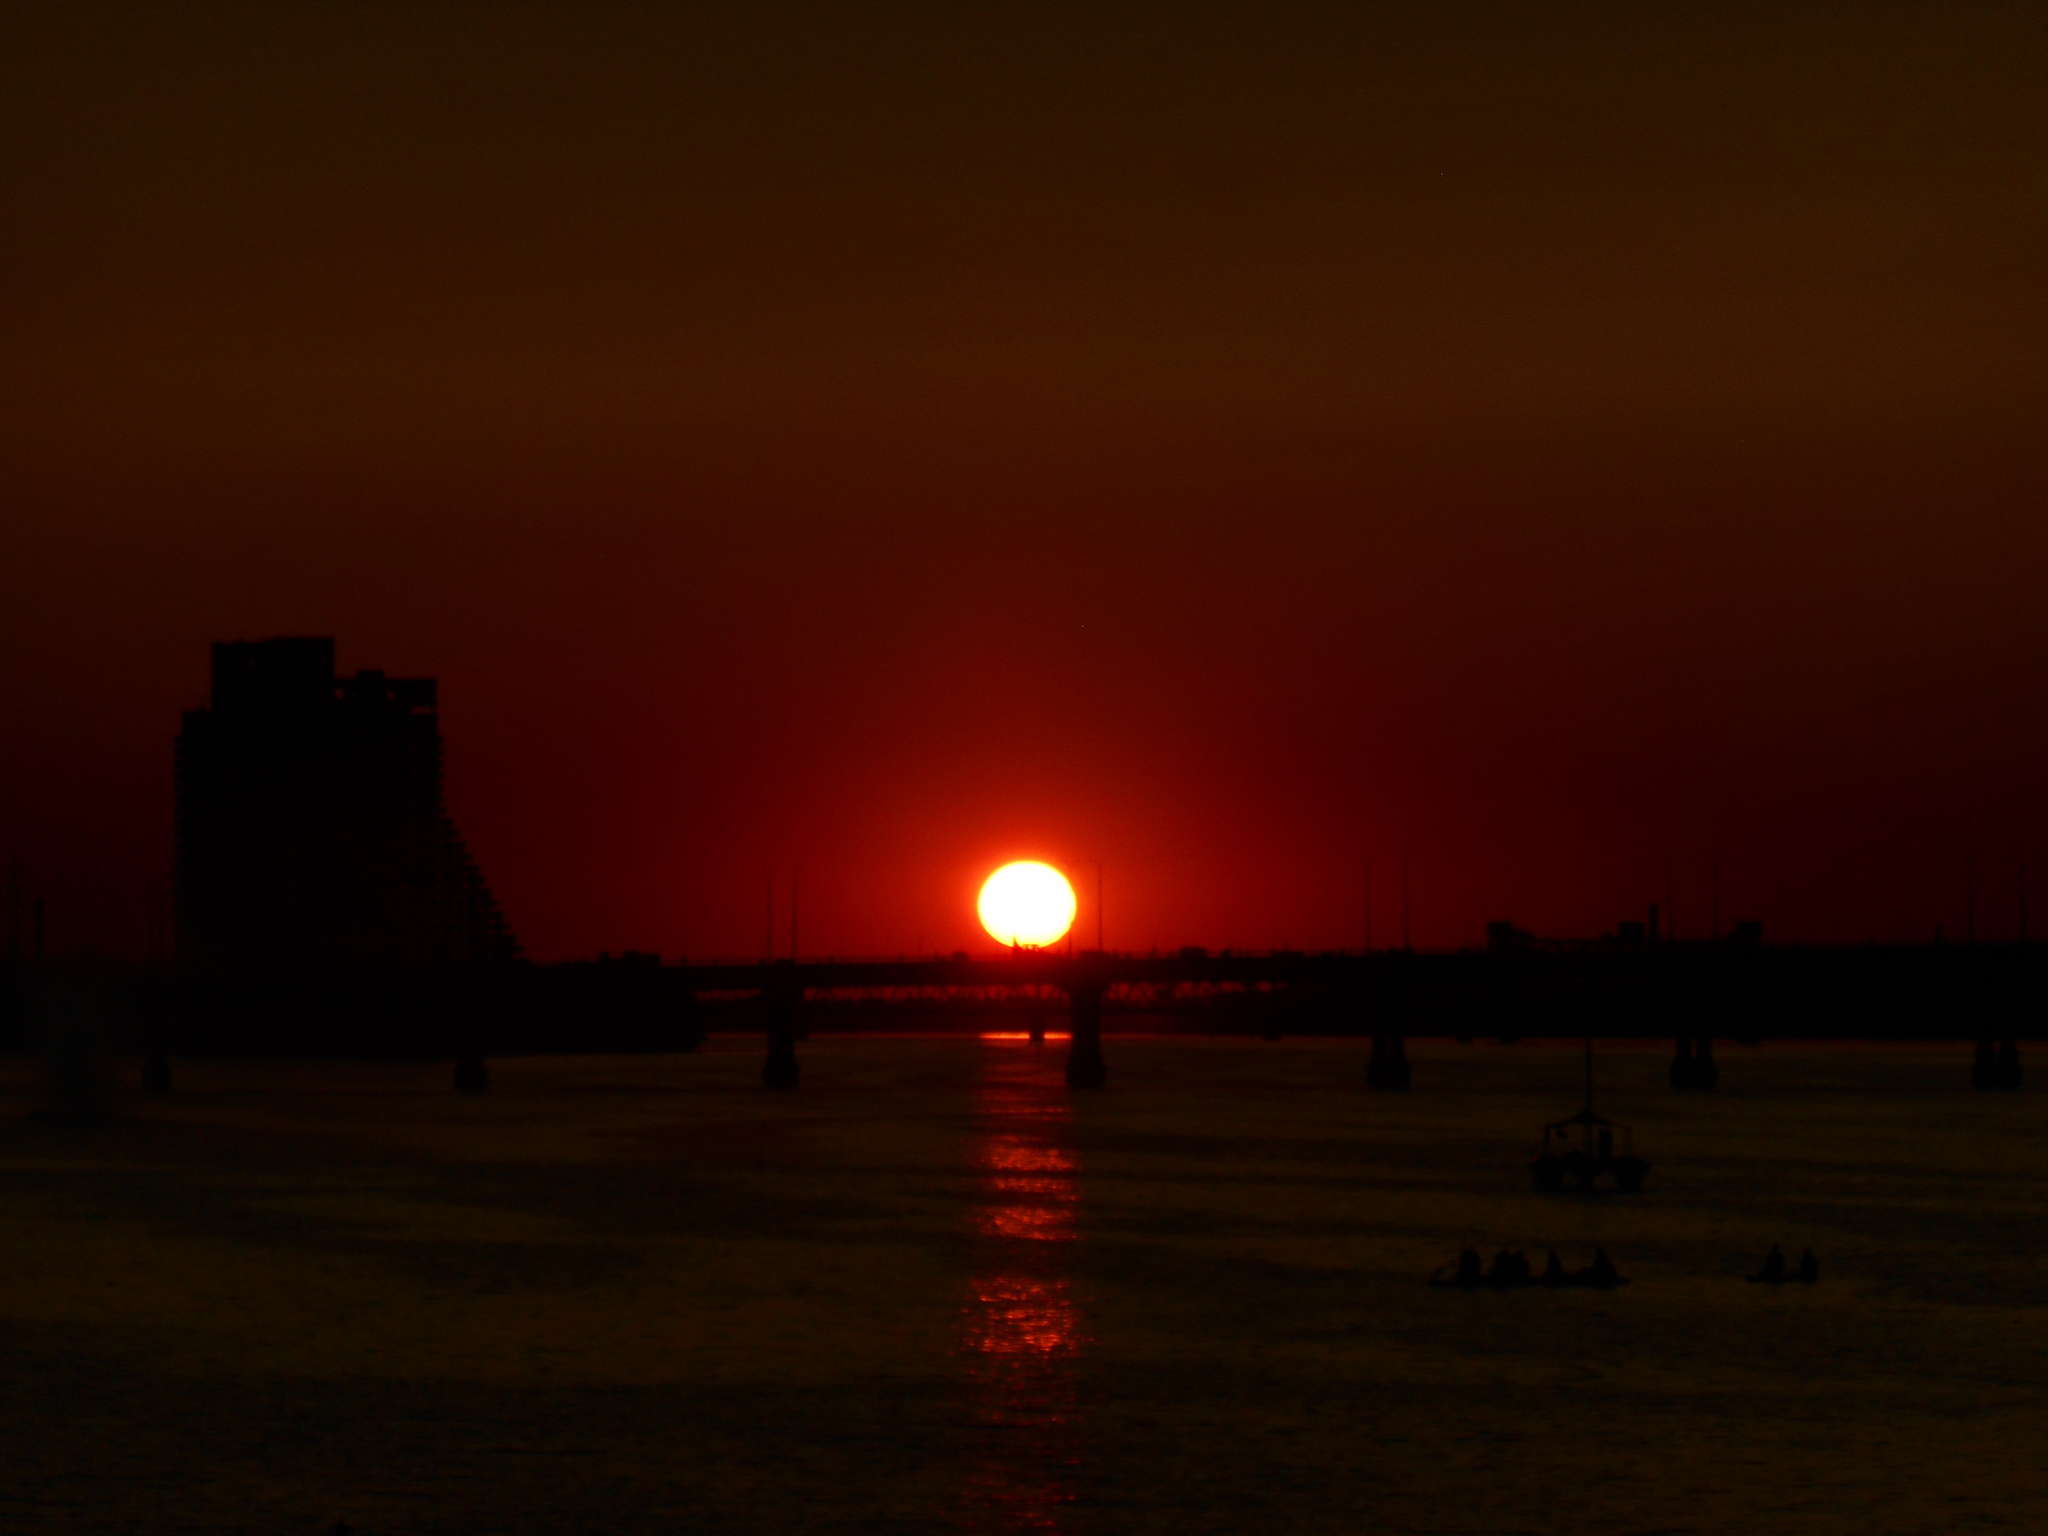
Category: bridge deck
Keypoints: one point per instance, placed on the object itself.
(1781, 992)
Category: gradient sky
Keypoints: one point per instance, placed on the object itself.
(1548, 445)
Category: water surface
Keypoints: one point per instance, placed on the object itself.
(932, 1291)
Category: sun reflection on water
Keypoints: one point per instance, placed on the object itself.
(1021, 1327)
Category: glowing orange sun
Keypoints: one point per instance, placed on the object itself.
(1027, 903)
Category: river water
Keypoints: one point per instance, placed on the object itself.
(933, 1291)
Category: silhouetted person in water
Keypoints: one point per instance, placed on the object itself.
(1809, 1268)
(1503, 1272)
(1773, 1272)
(1553, 1272)
(1606, 1144)
(1469, 1272)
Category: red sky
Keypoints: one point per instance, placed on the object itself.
(1235, 443)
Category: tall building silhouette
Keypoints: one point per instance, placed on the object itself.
(311, 833)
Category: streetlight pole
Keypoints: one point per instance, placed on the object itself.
(1714, 900)
(1368, 906)
(2021, 850)
(1100, 927)
(1407, 934)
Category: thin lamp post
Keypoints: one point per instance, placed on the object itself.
(2021, 850)
(1714, 899)
(1407, 933)
(768, 911)
(1368, 906)
(1100, 926)
(1073, 862)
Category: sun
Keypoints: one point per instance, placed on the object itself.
(1027, 903)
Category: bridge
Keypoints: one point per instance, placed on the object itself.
(1995, 995)
(1692, 994)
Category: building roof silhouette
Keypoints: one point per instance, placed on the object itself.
(312, 836)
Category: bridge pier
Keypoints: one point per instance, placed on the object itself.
(1996, 1066)
(784, 998)
(1085, 1067)
(1693, 1068)
(1388, 1069)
